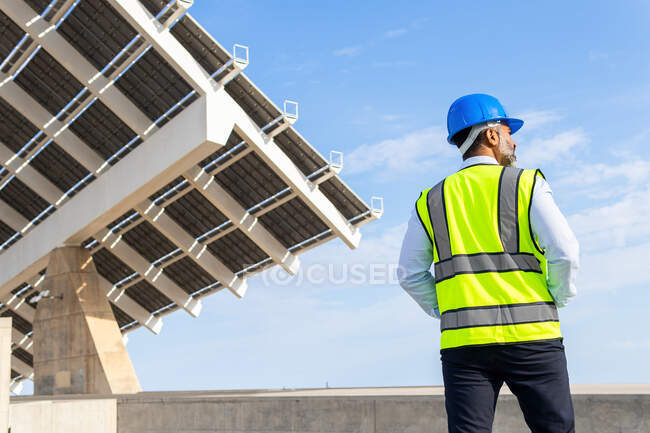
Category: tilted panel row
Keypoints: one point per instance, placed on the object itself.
(153, 85)
(48, 82)
(58, 167)
(97, 31)
(102, 130)
(10, 35)
(20, 197)
(15, 129)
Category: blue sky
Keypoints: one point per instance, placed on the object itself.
(375, 80)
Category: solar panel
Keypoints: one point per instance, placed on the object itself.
(102, 120)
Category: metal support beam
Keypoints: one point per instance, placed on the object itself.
(195, 250)
(154, 275)
(30, 176)
(246, 222)
(119, 297)
(21, 368)
(175, 148)
(12, 218)
(21, 340)
(51, 127)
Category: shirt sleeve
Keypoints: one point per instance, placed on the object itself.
(556, 239)
(413, 272)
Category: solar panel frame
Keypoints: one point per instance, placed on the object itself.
(149, 242)
(236, 250)
(48, 82)
(249, 180)
(153, 85)
(59, 167)
(103, 131)
(147, 296)
(10, 35)
(15, 129)
(97, 31)
(23, 199)
(109, 266)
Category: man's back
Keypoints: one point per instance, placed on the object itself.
(505, 259)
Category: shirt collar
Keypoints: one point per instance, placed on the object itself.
(478, 160)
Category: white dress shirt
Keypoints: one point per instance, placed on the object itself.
(549, 226)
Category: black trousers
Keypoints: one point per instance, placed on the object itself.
(535, 372)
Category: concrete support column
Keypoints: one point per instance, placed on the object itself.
(78, 346)
(5, 371)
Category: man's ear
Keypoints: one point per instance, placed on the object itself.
(491, 137)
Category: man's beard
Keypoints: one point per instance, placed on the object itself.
(508, 157)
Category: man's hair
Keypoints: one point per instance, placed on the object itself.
(459, 138)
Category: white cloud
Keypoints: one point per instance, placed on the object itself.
(634, 172)
(543, 150)
(535, 118)
(348, 51)
(395, 33)
(619, 224)
(413, 153)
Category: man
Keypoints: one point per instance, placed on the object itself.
(504, 260)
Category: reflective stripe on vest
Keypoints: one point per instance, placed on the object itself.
(507, 261)
(485, 262)
(499, 315)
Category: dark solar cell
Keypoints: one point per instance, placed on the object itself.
(210, 55)
(293, 222)
(14, 374)
(59, 167)
(171, 185)
(154, 6)
(17, 320)
(300, 153)
(188, 275)
(126, 215)
(10, 35)
(102, 130)
(343, 198)
(149, 242)
(5, 232)
(195, 213)
(250, 180)
(122, 318)
(148, 296)
(233, 140)
(15, 129)
(23, 199)
(237, 251)
(48, 82)
(153, 85)
(97, 31)
(110, 267)
(260, 109)
(23, 355)
(19, 288)
(38, 5)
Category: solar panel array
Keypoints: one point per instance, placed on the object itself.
(58, 134)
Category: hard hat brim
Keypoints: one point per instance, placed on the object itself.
(514, 125)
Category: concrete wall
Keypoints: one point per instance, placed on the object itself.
(594, 414)
(369, 410)
(63, 416)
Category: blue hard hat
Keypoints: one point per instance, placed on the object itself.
(476, 108)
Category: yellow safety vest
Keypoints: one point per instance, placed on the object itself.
(490, 272)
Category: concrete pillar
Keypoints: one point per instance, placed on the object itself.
(78, 346)
(5, 371)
